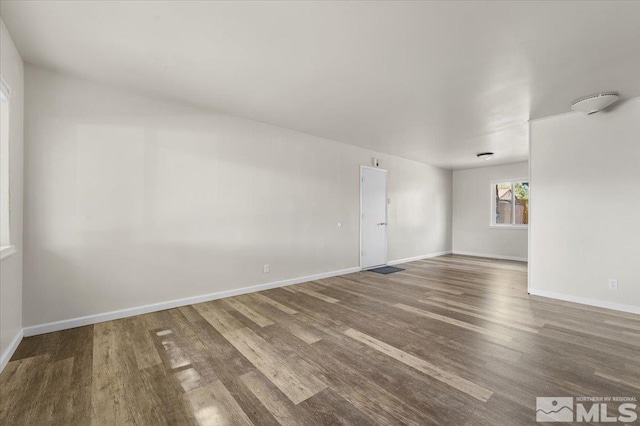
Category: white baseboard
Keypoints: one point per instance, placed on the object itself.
(492, 256)
(421, 257)
(9, 350)
(586, 301)
(123, 313)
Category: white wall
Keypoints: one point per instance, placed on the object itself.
(11, 68)
(585, 206)
(472, 214)
(133, 201)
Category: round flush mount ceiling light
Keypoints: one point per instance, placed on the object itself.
(594, 103)
(486, 156)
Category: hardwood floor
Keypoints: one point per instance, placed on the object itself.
(451, 340)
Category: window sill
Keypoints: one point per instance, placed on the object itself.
(513, 227)
(7, 251)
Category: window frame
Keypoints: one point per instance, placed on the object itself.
(6, 246)
(492, 205)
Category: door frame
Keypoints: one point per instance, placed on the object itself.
(386, 211)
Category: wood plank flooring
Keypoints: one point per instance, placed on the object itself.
(450, 340)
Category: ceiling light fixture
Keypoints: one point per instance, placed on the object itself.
(594, 103)
(486, 156)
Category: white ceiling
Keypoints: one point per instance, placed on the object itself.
(429, 81)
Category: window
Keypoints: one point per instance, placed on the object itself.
(510, 203)
(5, 244)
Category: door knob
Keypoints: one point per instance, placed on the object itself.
(382, 223)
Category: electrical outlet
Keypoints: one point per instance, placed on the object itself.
(613, 284)
(266, 268)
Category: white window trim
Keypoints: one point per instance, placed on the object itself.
(8, 250)
(492, 205)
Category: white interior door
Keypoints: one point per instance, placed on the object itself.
(373, 217)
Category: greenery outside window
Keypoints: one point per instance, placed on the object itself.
(510, 203)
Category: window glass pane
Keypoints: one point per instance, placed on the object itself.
(4, 92)
(503, 203)
(521, 190)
